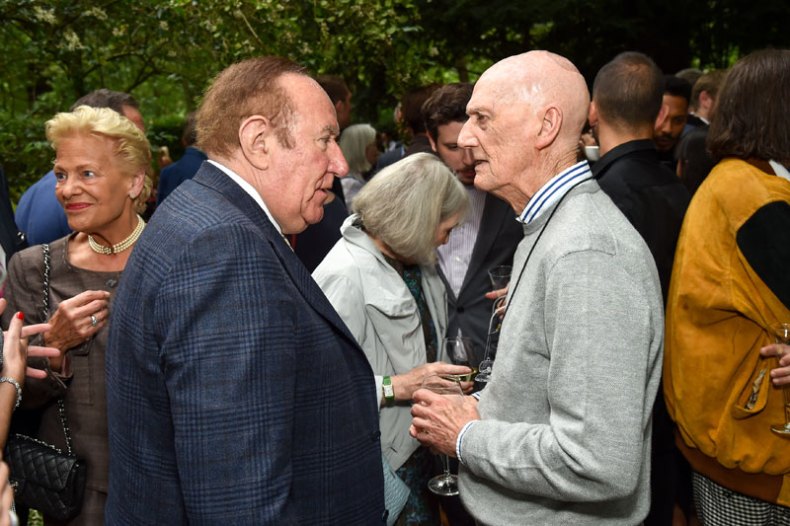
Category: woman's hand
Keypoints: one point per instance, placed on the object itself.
(781, 375)
(16, 350)
(6, 498)
(405, 384)
(76, 320)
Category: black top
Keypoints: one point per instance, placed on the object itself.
(649, 195)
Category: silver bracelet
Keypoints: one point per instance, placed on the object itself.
(8, 379)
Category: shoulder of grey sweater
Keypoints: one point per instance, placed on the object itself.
(591, 221)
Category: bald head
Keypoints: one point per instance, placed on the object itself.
(526, 117)
(544, 79)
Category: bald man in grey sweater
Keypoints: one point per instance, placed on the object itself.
(561, 435)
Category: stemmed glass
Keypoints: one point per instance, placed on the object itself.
(782, 335)
(445, 484)
(500, 276)
(461, 351)
(494, 324)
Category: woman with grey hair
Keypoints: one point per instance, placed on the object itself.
(381, 279)
(358, 144)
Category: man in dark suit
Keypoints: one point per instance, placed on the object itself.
(672, 120)
(626, 101)
(409, 116)
(236, 394)
(186, 167)
(489, 234)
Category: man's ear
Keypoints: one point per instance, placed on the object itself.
(255, 136)
(592, 115)
(433, 143)
(549, 128)
(705, 100)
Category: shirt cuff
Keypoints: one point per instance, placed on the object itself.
(460, 439)
(378, 381)
(476, 395)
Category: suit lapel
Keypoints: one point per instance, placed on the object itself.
(493, 216)
(211, 176)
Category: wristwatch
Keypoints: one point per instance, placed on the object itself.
(389, 392)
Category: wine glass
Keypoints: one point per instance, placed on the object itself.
(460, 350)
(500, 276)
(494, 324)
(446, 484)
(782, 335)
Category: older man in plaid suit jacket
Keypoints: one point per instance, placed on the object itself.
(235, 393)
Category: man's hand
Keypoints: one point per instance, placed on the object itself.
(437, 419)
(781, 375)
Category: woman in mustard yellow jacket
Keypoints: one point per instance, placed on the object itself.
(730, 284)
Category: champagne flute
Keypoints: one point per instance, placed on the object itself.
(782, 335)
(460, 350)
(446, 484)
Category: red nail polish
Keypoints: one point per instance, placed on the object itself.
(20, 315)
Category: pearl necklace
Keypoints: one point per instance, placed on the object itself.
(118, 247)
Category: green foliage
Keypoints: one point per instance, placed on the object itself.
(165, 52)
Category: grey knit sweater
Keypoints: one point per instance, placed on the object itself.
(566, 419)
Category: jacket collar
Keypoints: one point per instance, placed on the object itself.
(212, 177)
(644, 146)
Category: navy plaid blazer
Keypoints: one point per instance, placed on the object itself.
(236, 395)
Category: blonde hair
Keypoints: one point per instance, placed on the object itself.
(132, 146)
(353, 143)
(404, 204)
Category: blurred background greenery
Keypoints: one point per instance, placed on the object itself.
(165, 52)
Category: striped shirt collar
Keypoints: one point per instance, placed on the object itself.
(553, 190)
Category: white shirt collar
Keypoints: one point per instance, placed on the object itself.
(780, 170)
(247, 187)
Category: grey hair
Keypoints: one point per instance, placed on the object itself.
(404, 204)
(353, 142)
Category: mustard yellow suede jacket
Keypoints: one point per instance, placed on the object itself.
(730, 283)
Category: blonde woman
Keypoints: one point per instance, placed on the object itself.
(102, 167)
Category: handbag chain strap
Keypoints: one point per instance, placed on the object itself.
(45, 309)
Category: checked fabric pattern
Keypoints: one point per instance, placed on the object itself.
(719, 506)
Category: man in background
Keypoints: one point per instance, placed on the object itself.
(694, 161)
(186, 167)
(626, 100)
(669, 126)
(411, 118)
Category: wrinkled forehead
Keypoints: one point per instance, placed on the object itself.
(501, 87)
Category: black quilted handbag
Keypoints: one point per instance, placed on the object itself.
(45, 478)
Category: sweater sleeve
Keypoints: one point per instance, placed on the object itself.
(601, 335)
